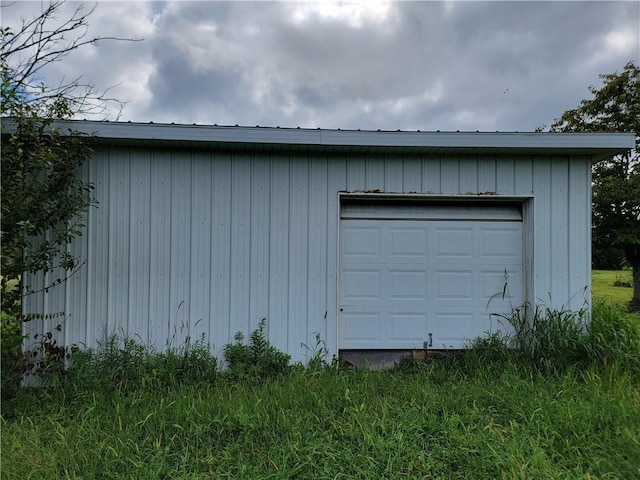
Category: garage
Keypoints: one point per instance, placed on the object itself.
(427, 275)
(373, 243)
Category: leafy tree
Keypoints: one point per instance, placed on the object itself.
(42, 200)
(615, 107)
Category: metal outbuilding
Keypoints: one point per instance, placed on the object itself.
(374, 240)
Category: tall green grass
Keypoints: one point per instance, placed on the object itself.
(556, 340)
(431, 423)
(488, 413)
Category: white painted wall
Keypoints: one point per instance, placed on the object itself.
(191, 243)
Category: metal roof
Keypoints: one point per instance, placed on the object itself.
(213, 137)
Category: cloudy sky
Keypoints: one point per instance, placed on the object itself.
(443, 65)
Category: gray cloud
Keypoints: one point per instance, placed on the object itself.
(408, 65)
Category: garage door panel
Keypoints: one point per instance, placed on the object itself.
(407, 327)
(501, 285)
(362, 241)
(454, 285)
(403, 279)
(361, 284)
(453, 242)
(359, 329)
(502, 243)
(408, 243)
(457, 329)
(407, 285)
(446, 327)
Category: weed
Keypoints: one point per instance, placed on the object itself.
(12, 359)
(489, 350)
(558, 340)
(126, 365)
(319, 354)
(256, 361)
(614, 336)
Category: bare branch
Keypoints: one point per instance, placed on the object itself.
(41, 42)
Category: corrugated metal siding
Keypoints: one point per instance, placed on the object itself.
(185, 244)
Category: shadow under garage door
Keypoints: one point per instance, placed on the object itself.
(426, 275)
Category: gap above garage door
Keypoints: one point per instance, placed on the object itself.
(419, 275)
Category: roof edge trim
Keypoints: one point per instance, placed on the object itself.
(604, 143)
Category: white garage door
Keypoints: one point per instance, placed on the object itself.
(418, 276)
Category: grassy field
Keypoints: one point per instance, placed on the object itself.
(492, 413)
(430, 423)
(603, 286)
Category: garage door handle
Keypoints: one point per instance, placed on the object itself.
(342, 309)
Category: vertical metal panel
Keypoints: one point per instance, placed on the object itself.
(240, 242)
(298, 254)
(221, 328)
(160, 250)
(431, 177)
(200, 281)
(279, 252)
(523, 171)
(139, 266)
(187, 243)
(486, 175)
(260, 221)
(82, 251)
(316, 311)
(468, 182)
(505, 176)
(97, 235)
(374, 173)
(119, 238)
(180, 254)
(579, 253)
(543, 229)
(356, 171)
(450, 176)
(558, 253)
(76, 327)
(412, 175)
(393, 174)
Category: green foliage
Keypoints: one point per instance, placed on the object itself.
(256, 361)
(493, 349)
(606, 257)
(556, 341)
(125, 365)
(12, 359)
(124, 411)
(46, 360)
(319, 354)
(614, 336)
(448, 418)
(615, 107)
(43, 202)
